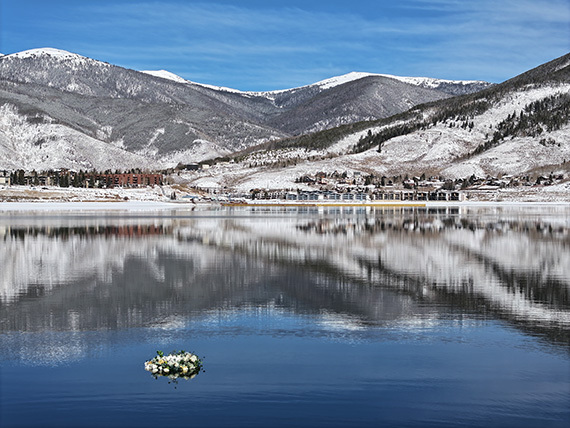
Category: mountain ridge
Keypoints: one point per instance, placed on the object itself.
(50, 98)
(331, 82)
(328, 83)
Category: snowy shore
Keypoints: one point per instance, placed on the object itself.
(88, 206)
(21, 198)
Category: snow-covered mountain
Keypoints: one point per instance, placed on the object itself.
(49, 97)
(60, 109)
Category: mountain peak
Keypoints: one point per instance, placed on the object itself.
(344, 78)
(51, 52)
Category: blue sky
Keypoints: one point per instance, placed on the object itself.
(274, 44)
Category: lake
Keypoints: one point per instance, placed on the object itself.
(303, 316)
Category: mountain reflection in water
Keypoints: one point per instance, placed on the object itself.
(349, 267)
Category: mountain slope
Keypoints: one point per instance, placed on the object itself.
(366, 98)
(45, 142)
(519, 127)
(506, 129)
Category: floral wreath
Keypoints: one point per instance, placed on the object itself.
(177, 364)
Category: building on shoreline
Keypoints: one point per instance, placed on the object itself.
(91, 179)
(348, 195)
(378, 195)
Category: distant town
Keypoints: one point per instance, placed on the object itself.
(346, 186)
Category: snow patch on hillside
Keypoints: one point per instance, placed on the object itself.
(341, 80)
(154, 137)
(429, 82)
(225, 89)
(163, 74)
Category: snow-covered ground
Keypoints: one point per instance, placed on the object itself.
(51, 197)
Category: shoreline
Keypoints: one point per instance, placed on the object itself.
(45, 206)
(138, 206)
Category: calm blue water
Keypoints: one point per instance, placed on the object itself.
(312, 317)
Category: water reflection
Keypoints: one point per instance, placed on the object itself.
(348, 268)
